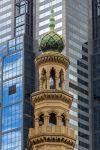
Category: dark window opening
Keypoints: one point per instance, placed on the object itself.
(63, 120)
(83, 144)
(41, 120)
(81, 64)
(84, 57)
(82, 82)
(82, 73)
(83, 108)
(83, 117)
(84, 49)
(61, 78)
(83, 135)
(52, 119)
(12, 89)
(81, 125)
(77, 88)
(52, 79)
(82, 99)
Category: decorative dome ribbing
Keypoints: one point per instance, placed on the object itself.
(51, 41)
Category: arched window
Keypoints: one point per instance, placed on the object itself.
(61, 78)
(63, 121)
(41, 119)
(52, 79)
(43, 78)
(52, 119)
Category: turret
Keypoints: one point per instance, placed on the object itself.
(51, 103)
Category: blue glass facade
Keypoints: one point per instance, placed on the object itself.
(16, 96)
(15, 87)
(16, 75)
(12, 117)
(3, 52)
(11, 127)
(12, 96)
(12, 66)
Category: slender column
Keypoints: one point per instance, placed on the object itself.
(46, 119)
(67, 120)
(62, 80)
(58, 120)
(56, 82)
(48, 82)
(36, 124)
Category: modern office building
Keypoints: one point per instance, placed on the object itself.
(72, 22)
(16, 72)
(6, 20)
(17, 25)
(96, 74)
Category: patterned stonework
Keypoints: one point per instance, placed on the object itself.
(51, 105)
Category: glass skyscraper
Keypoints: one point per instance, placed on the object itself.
(6, 20)
(72, 21)
(22, 23)
(16, 72)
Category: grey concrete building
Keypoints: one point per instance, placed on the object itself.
(72, 21)
(6, 20)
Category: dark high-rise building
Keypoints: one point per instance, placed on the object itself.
(16, 72)
(96, 74)
(17, 23)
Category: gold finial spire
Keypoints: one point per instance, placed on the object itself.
(52, 21)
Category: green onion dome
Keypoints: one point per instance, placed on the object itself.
(51, 41)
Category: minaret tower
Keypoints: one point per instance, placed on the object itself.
(51, 103)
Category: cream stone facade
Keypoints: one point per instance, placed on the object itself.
(51, 103)
(51, 106)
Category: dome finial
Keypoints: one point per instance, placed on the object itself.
(51, 41)
(52, 21)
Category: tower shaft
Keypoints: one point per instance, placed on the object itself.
(51, 105)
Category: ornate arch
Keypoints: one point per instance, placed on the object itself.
(52, 78)
(63, 119)
(52, 118)
(41, 119)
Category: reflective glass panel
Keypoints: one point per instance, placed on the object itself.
(16, 96)
(11, 140)
(12, 66)
(12, 117)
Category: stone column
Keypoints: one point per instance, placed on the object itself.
(48, 82)
(67, 119)
(46, 119)
(62, 80)
(59, 120)
(36, 124)
(56, 82)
